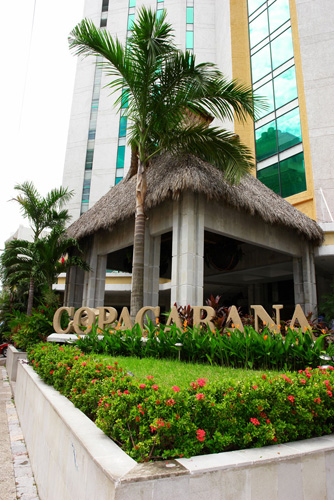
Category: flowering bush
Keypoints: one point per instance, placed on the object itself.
(151, 421)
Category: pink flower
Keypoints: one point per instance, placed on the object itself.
(193, 385)
(150, 377)
(291, 398)
(176, 388)
(303, 381)
(84, 364)
(200, 396)
(94, 380)
(155, 387)
(287, 379)
(76, 357)
(201, 382)
(254, 387)
(317, 400)
(255, 421)
(170, 402)
(126, 392)
(200, 434)
(142, 386)
(329, 393)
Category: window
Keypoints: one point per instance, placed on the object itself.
(132, 3)
(103, 23)
(279, 13)
(266, 91)
(282, 48)
(120, 157)
(118, 179)
(285, 87)
(270, 177)
(261, 63)
(266, 141)
(189, 40)
(288, 130)
(293, 178)
(254, 4)
(258, 29)
(131, 20)
(122, 126)
(190, 15)
(105, 5)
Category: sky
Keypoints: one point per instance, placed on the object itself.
(37, 74)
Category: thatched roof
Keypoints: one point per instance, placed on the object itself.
(168, 177)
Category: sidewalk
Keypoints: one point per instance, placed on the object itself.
(16, 477)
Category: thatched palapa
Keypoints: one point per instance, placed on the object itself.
(168, 177)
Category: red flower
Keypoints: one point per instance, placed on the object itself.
(201, 382)
(287, 379)
(176, 388)
(51, 372)
(155, 387)
(291, 398)
(94, 380)
(200, 396)
(200, 434)
(255, 421)
(109, 367)
(264, 377)
(170, 402)
(137, 419)
(84, 364)
(274, 438)
(157, 402)
(193, 385)
(303, 381)
(268, 421)
(76, 357)
(317, 400)
(150, 377)
(329, 393)
(142, 386)
(254, 387)
(126, 392)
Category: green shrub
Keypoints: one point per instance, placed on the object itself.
(249, 349)
(151, 421)
(29, 330)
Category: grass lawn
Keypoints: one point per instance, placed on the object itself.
(174, 372)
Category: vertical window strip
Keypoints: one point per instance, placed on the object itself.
(93, 120)
(190, 25)
(120, 158)
(278, 128)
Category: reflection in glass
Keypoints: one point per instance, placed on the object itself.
(288, 130)
(266, 141)
(270, 177)
(253, 5)
(266, 91)
(282, 48)
(258, 29)
(131, 20)
(285, 87)
(279, 13)
(293, 178)
(261, 64)
(122, 126)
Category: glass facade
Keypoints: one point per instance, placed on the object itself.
(190, 25)
(123, 121)
(278, 138)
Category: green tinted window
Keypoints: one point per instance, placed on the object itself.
(189, 40)
(279, 13)
(125, 99)
(270, 177)
(120, 157)
(253, 5)
(266, 141)
(122, 126)
(131, 20)
(159, 13)
(285, 87)
(258, 29)
(266, 92)
(261, 64)
(118, 179)
(132, 3)
(293, 178)
(282, 48)
(288, 130)
(190, 15)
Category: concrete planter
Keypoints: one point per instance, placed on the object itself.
(73, 460)
(13, 355)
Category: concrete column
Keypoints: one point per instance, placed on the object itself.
(96, 281)
(305, 281)
(151, 269)
(74, 288)
(188, 251)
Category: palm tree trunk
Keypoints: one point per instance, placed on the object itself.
(30, 296)
(137, 290)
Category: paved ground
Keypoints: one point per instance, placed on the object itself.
(16, 477)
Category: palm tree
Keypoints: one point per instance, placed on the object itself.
(168, 95)
(43, 213)
(38, 263)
